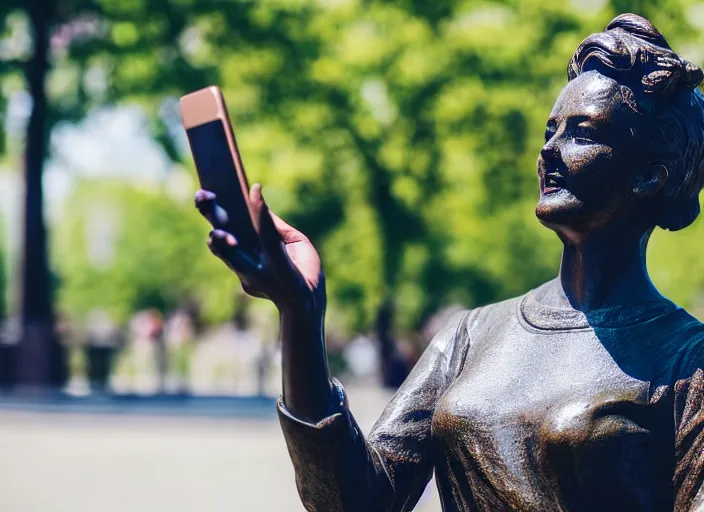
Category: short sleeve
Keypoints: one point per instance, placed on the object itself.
(689, 438)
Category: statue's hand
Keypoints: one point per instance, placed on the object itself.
(287, 271)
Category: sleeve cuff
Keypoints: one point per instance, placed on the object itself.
(290, 423)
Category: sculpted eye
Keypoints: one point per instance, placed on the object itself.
(585, 134)
(549, 133)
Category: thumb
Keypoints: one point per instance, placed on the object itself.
(268, 232)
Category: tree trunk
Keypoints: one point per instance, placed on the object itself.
(39, 361)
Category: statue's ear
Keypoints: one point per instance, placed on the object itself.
(650, 181)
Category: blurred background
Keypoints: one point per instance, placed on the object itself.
(401, 136)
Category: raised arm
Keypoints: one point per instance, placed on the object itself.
(287, 272)
(336, 468)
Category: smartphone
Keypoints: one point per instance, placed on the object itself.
(218, 162)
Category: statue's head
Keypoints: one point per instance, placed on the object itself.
(625, 139)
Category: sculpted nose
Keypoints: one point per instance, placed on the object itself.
(550, 152)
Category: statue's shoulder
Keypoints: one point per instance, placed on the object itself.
(689, 336)
(490, 314)
(500, 308)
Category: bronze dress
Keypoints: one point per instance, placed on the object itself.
(522, 406)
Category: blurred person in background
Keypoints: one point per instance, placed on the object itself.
(102, 341)
(362, 359)
(140, 366)
(229, 359)
(438, 321)
(338, 356)
(411, 347)
(394, 367)
(179, 339)
(7, 363)
(272, 370)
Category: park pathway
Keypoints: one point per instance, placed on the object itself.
(54, 462)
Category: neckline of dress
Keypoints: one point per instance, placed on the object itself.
(542, 316)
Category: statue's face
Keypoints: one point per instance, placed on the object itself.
(586, 165)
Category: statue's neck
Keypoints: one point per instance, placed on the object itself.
(604, 270)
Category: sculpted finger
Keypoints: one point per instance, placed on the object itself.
(205, 201)
(221, 238)
(208, 207)
(270, 236)
(224, 246)
(219, 243)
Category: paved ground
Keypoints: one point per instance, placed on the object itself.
(110, 463)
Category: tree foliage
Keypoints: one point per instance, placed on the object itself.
(401, 136)
(123, 249)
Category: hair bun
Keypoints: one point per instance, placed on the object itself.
(639, 27)
(665, 72)
(693, 75)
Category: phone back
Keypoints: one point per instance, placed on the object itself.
(218, 162)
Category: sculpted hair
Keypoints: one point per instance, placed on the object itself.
(656, 83)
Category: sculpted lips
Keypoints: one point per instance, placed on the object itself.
(552, 182)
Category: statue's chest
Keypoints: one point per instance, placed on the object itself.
(536, 390)
(555, 422)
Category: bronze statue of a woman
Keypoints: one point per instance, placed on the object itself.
(586, 393)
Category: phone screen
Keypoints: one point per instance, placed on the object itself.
(217, 173)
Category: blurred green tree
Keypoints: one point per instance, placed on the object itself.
(125, 249)
(400, 136)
